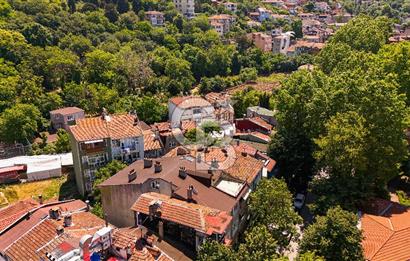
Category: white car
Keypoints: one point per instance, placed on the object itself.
(299, 201)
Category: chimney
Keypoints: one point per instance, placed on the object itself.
(147, 163)
(132, 175)
(88, 205)
(214, 163)
(157, 167)
(104, 113)
(40, 199)
(190, 191)
(182, 172)
(60, 230)
(244, 153)
(67, 220)
(238, 142)
(54, 213)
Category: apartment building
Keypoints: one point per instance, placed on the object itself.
(156, 18)
(185, 7)
(217, 180)
(222, 19)
(261, 40)
(99, 140)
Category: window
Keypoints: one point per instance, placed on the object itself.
(70, 118)
(155, 184)
(196, 111)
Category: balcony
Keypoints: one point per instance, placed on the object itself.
(93, 147)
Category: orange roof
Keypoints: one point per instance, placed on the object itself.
(387, 236)
(43, 237)
(115, 127)
(201, 218)
(10, 214)
(261, 122)
(188, 125)
(189, 101)
(151, 142)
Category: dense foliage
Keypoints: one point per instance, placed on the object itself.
(334, 236)
(345, 121)
(96, 54)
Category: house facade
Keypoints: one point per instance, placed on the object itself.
(261, 40)
(99, 140)
(186, 7)
(189, 108)
(63, 118)
(156, 18)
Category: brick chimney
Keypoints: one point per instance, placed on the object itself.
(147, 163)
(40, 199)
(68, 220)
(182, 172)
(132, 175)
(190, 192)
(157, 166)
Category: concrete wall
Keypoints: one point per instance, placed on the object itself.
(117, 201)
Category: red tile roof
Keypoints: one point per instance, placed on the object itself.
(387, 236)
(42, 237)
(20, 226)
(67, 110)
(201, 218)
(261, 122)
(151, 142)
(11, 213)
(115, 127)
(189, 102)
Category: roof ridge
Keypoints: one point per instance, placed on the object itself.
(371, 216)
(24, 234)
(387, 240)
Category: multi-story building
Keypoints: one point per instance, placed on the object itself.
(192, 108)
(218, 27)
(64, 117)
(230, 6)
(218, 180)
(261, 40)
(281, 42)
(99, 140)
(156, 18)
(222, 19)
(186, 7)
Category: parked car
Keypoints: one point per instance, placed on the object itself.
(299, 201)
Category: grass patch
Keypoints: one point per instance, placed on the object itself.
(403, 198)
(58, 188)
(273, 78)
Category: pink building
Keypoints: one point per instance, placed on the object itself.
(262, 41)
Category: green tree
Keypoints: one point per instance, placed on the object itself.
(271, 205)
(104, 173)
(99, 67)
(259, 245)
(364, 33)
(36, 34)
(334, 236)
(150, 109)
(20, 123)
(211, 250)
(62, 144)
(13, 45)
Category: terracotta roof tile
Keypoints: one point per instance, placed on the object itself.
(116, 127)
(11, 213)
(67, 110)
(150, 142)
(201, 218)
(387, 235)
(261, 122)
(189, 102)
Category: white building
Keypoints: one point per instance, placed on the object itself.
(189, 108)
(230, 6)
(156, 18)
(281, 42)
(186, 7)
